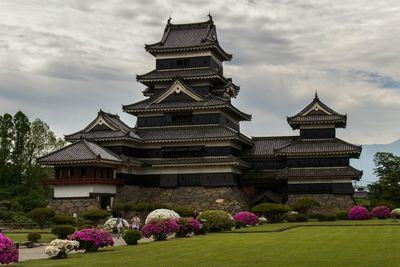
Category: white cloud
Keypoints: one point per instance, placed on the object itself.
(62, 61)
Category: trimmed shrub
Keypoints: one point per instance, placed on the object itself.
(42, 215)
(296, 217)
(91, 239)
(363, 202)
(244, 218)
(272, 211)
(305, 205)
(326, 218)
(95, 215)
(216, 221)
(342, 215)
(161, 214)
(381, 212)
(315, 215)
(63, 219)
(63, 231)
(395, 213)
(358, 213)
(131, 236)
(160, 230)
(184, 211)
(8, 251)
(187, 226)
(34, 237)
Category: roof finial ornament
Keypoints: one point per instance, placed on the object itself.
(316, 95)
(209, 16)
(169, 20)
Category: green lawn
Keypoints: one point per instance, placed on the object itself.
(20, 237)
(305, 246)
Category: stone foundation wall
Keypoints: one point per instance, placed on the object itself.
(230, 199)
(69, 206)
(329, 203)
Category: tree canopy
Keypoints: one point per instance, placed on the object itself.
(388, 171)
(21, 142)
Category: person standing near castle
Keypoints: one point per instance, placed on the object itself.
(135, 222)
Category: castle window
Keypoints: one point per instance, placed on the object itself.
(182, 62)
(181, 118)
(70, 172)
(83, 172)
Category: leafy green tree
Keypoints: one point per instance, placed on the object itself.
(6, 144)
(388, 171)
(21, 135)
(42, 215)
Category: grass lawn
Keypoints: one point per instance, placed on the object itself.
(20, 237)
(275, 226)
(305, 246)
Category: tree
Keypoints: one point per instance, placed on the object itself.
(6, 144)
(95, 215)
(305, 205)
(21, 135)
(388, 171)
(42, 215)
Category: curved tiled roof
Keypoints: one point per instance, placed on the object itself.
(320, 172)
(120, 130)
(264, 146)
(317, 113)
(188, 73)
(190, 36)
(81, 151)
(318, 146)
(163, 162)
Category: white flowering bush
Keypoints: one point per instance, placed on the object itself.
(395, 213)
(161, 214)
(59, 248)
(262, 220)
(111, 223)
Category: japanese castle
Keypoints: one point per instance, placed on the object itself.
(186, 149)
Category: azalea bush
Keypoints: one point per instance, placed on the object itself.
(216, 221)
(262, 220)
(8, 251)
(381, 212)
(396, 213)
(161, 214)
(59, 248)
(358, 213)
(91, 239)
(187, 226)
(244, 218)
(160, 229)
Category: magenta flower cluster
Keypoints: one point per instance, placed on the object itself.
(91, 239)
(8, 251)
(358, 213)
(160, 229)
(246, 218)
(381, 212)
(187, 226)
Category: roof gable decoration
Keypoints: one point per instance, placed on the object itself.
(178, 87)
(99, 121)
(316, 107)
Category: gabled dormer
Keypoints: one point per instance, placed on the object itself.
(317, 121)
(104, 127)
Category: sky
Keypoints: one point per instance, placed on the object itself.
(61, 61)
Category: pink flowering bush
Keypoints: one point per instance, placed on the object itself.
(8, 251)
(91, 239)
(187, 226)
(381, 212)
(245, 218)
(358, 213)
(160, 229)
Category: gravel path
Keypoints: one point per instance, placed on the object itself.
(38, 252)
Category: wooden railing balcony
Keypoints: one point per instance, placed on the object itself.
(84, 180)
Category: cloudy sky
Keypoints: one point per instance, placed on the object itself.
(62, 61)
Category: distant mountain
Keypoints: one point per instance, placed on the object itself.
(366, 161)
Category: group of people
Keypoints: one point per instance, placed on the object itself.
(135, 224)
